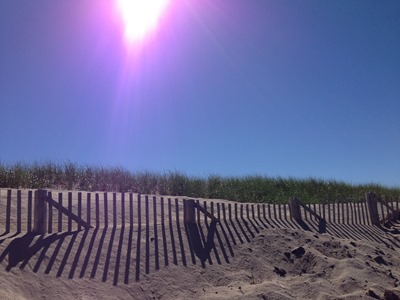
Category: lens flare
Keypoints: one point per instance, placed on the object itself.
(140, 17)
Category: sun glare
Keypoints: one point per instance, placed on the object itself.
(140, 17)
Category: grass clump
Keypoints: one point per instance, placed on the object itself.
(256, 188)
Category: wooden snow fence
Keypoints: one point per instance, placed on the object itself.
(42, 211)
(372, 210)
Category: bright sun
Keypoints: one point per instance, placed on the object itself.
(140, 17)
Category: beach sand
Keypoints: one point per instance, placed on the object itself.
(248, 259)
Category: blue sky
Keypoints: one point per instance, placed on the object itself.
(226, 87)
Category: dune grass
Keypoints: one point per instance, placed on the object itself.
(256, 188)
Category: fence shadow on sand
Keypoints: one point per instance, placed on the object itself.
(146, 234)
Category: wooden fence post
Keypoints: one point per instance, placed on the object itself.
(190, 215)
(40, 212)
(295, 212)
(372, 205)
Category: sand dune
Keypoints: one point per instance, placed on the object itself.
(236, 259)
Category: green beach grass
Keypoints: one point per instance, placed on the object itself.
(255, 188)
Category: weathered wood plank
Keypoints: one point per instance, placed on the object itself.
(60, 213)
(69, 212)
(88, 208)
(19, 212)
(105, 199)
(29, 221)
(8, 211)
(50, 219)
(79, 210)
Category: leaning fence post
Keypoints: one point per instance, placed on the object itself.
(190, 215)
(372, 205)
(295, 212)
(40, 212)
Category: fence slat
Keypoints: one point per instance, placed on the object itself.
(170, 212)
(359, 212)
(315, 210)
(205, 215)
(79, 210)
(157, 263)
(162, 211)
(284, 211)
(391, 204)
(29, 224)
(329, 211)
(163, 232)
(319, 209)
(177, 211)
(263, 209)
(147, 244)
(351, 212)
(173, 246)
(88, 207)
(19, 213)
(115, 210)
(50, 219)
(223, 211)
(338, 211)
(367, 214)
(97, 209)
(362, 213)
(279, 211)
(236, 211)
(334, 212)
(342, 212)
(131, 210)
(387, 206)
(123, 210)
(8, 211)
(382, 209)
(356, 212)
(198, 211)
(60, 214)
(105, 210)
(139, 208)
(269, 211)
(69, 211)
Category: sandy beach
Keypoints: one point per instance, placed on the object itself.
(244, 258)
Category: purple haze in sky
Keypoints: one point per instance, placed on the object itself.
(227, 87)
